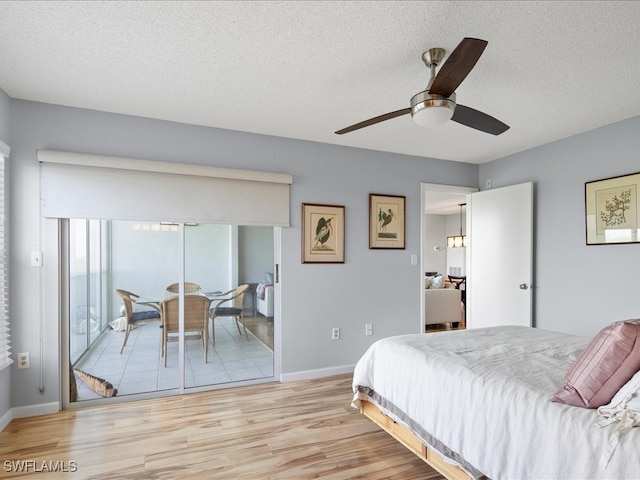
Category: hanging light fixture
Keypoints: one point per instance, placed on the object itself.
(458, 241)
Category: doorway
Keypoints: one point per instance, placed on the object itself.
(499, 255)
(444, 266)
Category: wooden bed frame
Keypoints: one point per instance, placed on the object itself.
(407, 438)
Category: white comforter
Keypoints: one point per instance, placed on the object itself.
(482, 397)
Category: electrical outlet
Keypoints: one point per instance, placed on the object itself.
(23, 360)
(368, 329)
(335, 333)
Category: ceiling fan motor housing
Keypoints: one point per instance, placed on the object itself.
(430, 110)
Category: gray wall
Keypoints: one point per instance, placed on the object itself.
(5, 375)
(255, 253)
(435, 234)
(373, 286)
(578, 288)
(436, 230)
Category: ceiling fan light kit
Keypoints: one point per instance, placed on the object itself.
(432, 110)
(436, 105)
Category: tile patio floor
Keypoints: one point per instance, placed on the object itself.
(140, 368)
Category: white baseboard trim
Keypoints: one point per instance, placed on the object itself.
(318, 373)
(6, 419)
(35, 410)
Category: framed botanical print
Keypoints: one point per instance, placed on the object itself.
(322, 233)
(386, 221)
(611, 210)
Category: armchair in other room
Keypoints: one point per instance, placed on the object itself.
(443, 305)
(264, 295)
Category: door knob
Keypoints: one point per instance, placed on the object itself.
(524, 286)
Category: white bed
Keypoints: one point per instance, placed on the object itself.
(481, 399)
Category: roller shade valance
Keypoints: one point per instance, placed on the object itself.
(77, 185)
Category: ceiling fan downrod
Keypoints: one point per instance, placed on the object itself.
(440, 107)
(432, 59)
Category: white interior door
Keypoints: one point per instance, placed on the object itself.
(500, 229)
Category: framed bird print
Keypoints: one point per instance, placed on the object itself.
(386, 221)
(322, 233)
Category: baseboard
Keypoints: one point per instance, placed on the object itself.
(318, 373)
(35, 410)
(6, 419)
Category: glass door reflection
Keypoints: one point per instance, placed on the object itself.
(144, 259)
(228, 262)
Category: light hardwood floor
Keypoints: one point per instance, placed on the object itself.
(296, 430)
(262, 328)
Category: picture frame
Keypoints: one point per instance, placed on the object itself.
(612, 206)
(387, 224)
(323, 233)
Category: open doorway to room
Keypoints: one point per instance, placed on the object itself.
(108, 351)
(444, 257)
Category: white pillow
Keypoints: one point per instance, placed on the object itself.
(629, 393)
(436, 282)
(623, 409)
(119, 324)
(427, 281)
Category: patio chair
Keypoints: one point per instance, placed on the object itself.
(196, 319)
(236, 310)
(131, 317)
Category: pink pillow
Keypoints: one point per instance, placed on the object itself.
(605, 365)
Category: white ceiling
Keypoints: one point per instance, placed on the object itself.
(305, 69)
(443, 203)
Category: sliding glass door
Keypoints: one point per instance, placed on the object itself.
(146, 259)
(88, 283)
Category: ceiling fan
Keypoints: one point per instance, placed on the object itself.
(437, 103)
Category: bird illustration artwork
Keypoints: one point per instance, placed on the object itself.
(323, 233)
(385, 219)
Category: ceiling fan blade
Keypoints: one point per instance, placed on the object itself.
(456, 68)
(374, 120)
(480, 121)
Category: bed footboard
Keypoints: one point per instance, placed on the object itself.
(412, 442)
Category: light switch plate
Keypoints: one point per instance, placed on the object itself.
(36, 259)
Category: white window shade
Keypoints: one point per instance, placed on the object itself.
(77, 185)
(5, 340)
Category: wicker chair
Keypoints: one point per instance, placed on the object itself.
(196, 319)
(218, 310)
(188, 287)
(131, 317)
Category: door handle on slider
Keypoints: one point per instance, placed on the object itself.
(524, 286)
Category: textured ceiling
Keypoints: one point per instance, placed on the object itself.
(305, 69)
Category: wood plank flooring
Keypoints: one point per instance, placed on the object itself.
(296, 430)
(262, 328)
